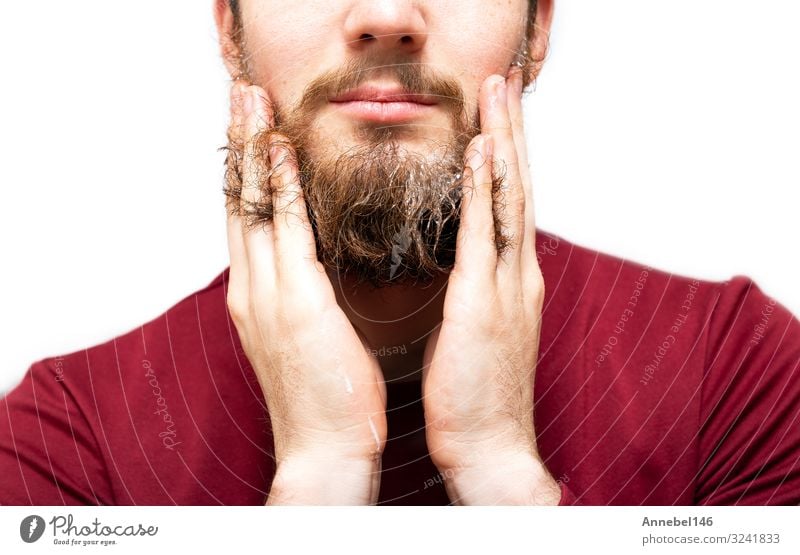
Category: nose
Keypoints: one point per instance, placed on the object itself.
(385, 25)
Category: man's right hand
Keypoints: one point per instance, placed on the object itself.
(324, 391)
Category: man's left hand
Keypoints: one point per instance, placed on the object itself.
(479, 364)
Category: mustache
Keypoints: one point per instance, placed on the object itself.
(413, 76)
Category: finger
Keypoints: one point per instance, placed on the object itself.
(236, 131)
(496, 121)
(294, 237)
(258, 238)
(517, 123)
(254, 164)
(476, 253)
(239, 274)
(233, 162)
(238, 278)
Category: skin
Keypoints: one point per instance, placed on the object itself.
(474, 334)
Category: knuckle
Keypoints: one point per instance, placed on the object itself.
(536, 285)
(237, 306)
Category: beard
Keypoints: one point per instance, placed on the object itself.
(381, 213)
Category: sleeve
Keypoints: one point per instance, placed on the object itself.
(48, 452)
(749, 438)
(567, 497)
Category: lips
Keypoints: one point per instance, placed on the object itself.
(383, 104)
(375, 93)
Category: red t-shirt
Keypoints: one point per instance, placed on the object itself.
(651, 388)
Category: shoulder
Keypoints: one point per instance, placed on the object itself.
(599, 290)
(158, 338)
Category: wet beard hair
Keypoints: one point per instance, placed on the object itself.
(381, 213)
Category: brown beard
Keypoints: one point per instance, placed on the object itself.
(381, 213)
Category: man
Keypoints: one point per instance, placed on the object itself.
(393, 328)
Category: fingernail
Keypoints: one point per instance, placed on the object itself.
(497, 91)
(274, 152)
(248, 101)
(500, 90)
(236, 95)
(516, 81)
(488, 146)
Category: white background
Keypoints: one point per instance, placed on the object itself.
(663, 132)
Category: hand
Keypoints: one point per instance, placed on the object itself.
(324, 392)
(478, 370)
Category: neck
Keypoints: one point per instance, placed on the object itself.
(395, 321)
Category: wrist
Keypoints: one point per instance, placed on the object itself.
(514, 479)
(328, 480)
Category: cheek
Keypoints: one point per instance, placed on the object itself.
(486, 54)
(279, 70)
(281, 62)
(501, 44)
(285, 75)
(496, 32)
